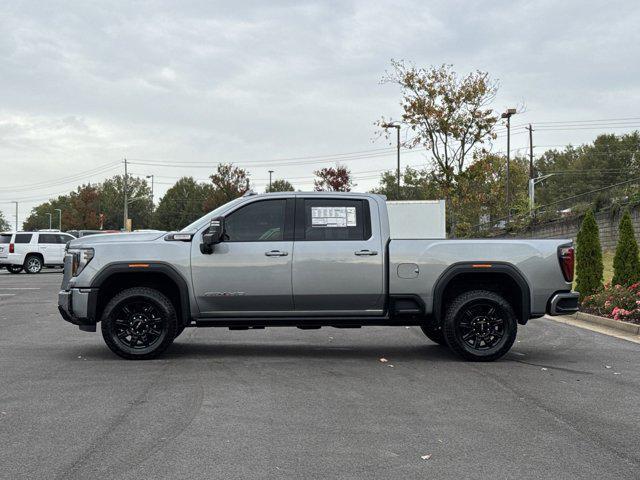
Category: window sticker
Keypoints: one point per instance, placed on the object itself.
(333, 217)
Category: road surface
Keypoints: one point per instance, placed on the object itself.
(282, 403)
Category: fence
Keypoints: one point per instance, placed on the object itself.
(563, 218)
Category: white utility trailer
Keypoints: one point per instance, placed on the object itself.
(417, 219)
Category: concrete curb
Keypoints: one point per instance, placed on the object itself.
(631, 328)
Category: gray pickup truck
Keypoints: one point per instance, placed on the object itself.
(311, 260)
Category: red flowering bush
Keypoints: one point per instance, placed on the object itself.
(617, 302)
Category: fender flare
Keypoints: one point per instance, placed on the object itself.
(496, 267)
(150, 267)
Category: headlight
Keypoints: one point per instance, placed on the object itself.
(81, 257)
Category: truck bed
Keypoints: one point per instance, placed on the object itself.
(535, 260)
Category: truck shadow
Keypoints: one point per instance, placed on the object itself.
(393, 353)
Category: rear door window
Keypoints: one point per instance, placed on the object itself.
(332, 219)
(63, 239)
(47, 238)
(23, 238)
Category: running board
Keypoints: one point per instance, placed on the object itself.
(306, 322)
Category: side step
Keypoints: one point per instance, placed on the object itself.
(305, 323)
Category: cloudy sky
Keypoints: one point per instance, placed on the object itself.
(84, 85)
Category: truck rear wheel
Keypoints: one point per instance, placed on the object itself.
(32, 264)
(139, 323)
(480, 326)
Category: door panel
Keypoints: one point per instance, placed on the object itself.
(49, 247)
(342, 269)
(249, 273)
(240, 277)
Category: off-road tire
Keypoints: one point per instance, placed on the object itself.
(32, 264)
(14, 268)
(499, 330)
(116, 323)
(434, 333)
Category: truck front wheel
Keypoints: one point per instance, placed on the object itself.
(139, 323)
(480, 326)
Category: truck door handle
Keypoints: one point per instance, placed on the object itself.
(362, 253)
(276, 253)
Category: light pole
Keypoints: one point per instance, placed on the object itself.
(397, 127)
(16, 214)
(59, 218)
(151, 177)
(270, 173)
(507, 115)
(49, 219)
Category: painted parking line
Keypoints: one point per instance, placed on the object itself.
(19, 288)
(7, 294)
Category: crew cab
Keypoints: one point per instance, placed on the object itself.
(311, 260)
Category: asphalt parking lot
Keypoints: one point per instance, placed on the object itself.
(286, 403)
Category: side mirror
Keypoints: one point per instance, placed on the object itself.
(213, 235)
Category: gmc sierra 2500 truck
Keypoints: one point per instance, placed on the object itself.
(311, 260)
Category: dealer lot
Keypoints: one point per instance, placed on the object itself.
(287, 403)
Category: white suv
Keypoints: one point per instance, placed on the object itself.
(32, 250)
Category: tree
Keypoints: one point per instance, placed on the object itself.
(96, 207)
(181, 205)
(480, 193)
(4, 225)
(279, 186)
(589, 267)
(228, 182)
(415, 185)
(333, 179)
(112, 202)
(626, 264)
(445, 113)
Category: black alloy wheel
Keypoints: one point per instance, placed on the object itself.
(139, 323)
(480, 326)
(14, 268)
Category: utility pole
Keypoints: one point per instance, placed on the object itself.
(507, 115)
(530, 128)
(16, 214)
(49, 219)
(59, 218)
(270, 173)
(126, 200)
(397, 127)
(151, 177)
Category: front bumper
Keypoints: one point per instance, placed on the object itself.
(77, 306)
(564, 303)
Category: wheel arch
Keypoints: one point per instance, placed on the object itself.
(499, 277)
(116, 277)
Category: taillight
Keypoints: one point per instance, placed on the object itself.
(12, 248)
(566, 256)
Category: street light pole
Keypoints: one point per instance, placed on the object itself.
(49, 219)
(507, 115)
(16, 214)
(126, 201)
(397, 127)
(59, 218)
(270, 173)
(151, 177)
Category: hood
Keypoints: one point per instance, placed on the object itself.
(116, 238)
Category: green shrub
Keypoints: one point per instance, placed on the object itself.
(589, 265)
(626, 264)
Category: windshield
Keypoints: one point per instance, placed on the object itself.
(203, 220)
